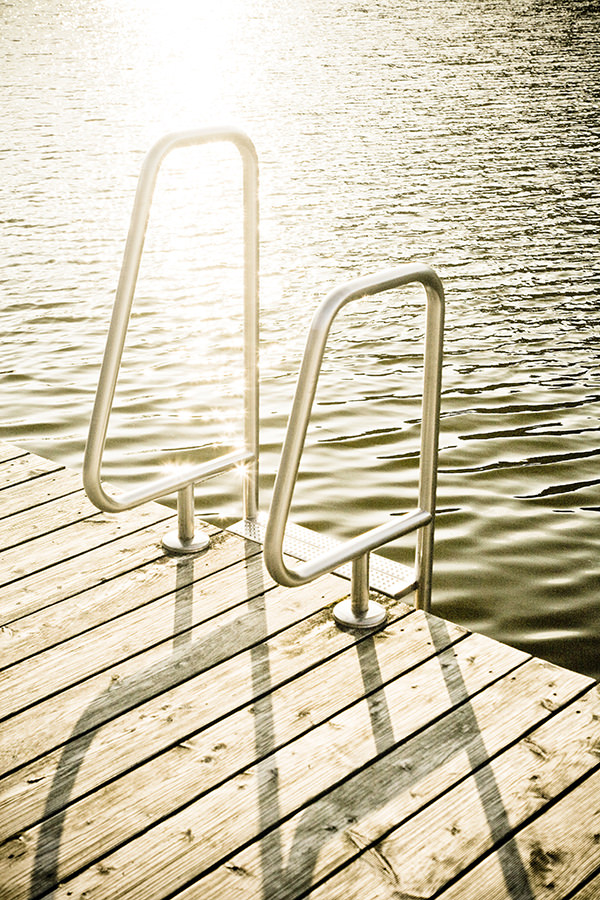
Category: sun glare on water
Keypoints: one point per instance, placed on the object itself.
(186, 319)
(183, 50)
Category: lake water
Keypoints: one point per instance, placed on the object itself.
(460, 133)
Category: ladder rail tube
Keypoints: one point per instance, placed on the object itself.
(430, 430)
(115, 341)
(287, 474)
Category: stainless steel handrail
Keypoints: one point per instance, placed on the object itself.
(360, 611)
(185, 539)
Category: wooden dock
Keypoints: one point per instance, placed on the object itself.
(185, 729)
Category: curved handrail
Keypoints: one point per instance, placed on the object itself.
(94, 450)
(422, 518)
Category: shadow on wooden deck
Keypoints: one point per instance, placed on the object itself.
(366, 790)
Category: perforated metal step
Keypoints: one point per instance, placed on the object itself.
(385, 575)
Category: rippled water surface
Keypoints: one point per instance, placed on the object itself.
(461, 133)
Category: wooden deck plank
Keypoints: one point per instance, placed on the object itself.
(40, 590)
(176, 715)
(434, 847)
(336, 831)
(279, 783)
(557, 850)
(10, 451)
(526, 778)
(159, 668)
(168, 719)
(23, 468)
(127, 806)
(590, 890)
(166, 621)
(184, 728)
(40, 631)
(34, 493)
(26, 525)
(74, 540)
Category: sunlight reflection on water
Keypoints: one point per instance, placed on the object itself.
(457, 134)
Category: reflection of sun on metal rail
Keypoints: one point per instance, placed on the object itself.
(359, 610)
(186, 539)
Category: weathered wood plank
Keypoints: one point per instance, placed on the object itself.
(96, 700)
(31, 494)
(590, 890)
(170, 618)
(29, 524)
(557, 851)
(30, 635)
(74, 540)
(23, 468)
(9, 451)
(176, 850)
(333, 833)
(501, 797)
(72, 576)
(143, 752)
(174, 716)
(434, 847)
(127, 806)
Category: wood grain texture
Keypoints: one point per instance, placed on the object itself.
(125, 807)
(434, 847)
(484, 810)
(23, 468)
(557, 850)
(74, 540)
(355, 825)
(31, 494)
(178, 714)
(28, 524)
(71, 576)
(590, 890)
(132, 681)
(183, 728)
(36, 634)
(10, 451)
(169, 621)
(280, 782)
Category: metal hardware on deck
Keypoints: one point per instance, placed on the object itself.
(360, 611)
(185, 540)
(385, 575)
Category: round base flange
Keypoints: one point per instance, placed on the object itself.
(376, 615)
(173, 543)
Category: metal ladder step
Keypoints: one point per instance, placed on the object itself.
(385, 575)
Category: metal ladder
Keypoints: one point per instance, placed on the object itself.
(353, 556)
(359, 611)
(187, 538)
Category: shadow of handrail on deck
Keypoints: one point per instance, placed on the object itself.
(188, 659)
(267, 774)
(513, 871)
(344, 807)
(281, 879)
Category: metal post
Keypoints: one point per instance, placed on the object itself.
(430, 427)
(251, 330)
(358, 610)
(185, 539)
